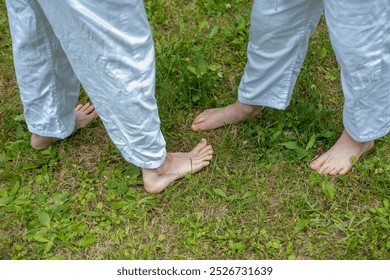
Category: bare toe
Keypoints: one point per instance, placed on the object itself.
(176, 166)
(85, 114)
(338, 159)
(83, 107)
(343, 171)
(78, 107)
(208, 150)
(324, 169)
(89, 109)
(200, 146)
(334, 172)
(317, 163)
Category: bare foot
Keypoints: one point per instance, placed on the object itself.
(84, 115)
(176, 166)
(234, 113)
(338, 160)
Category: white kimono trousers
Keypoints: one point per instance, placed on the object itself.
(106, 46)
(360, 35)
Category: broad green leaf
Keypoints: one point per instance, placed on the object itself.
(301, 153)
(311, 142)
(291, 145)
(202, 25)
(99, 206)
(64, 196)
(86, 241)
(233, 197)
(386, 203)
(119, 204)
(213, 32)
(30, 165)
(192, 69)
(301, 225)
(21, 201)
(60, 198)
(19, 118)
(121, 186)
(237, 247)
(49, 246)
(3, 192)
(276, 135)
(201, 64)
(4, 157)
(56, 208)
(44, 219)
(56, 258)
(327, 134)
(92, 214)
(5, 200)
(195, 96)
(328, 189)
(15, 188)
(220, 192)
(40, 198)
(373, 210)
(248, 194)
(40, 238)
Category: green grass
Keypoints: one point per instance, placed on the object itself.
(258, 199)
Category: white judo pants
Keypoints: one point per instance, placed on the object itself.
(106, 46)
(360, 34)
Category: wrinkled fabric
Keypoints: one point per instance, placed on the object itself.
(360, 34)
(106, 46)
